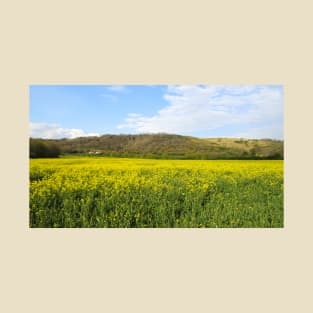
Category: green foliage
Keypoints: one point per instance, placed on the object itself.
(39, 148)
(166, 146)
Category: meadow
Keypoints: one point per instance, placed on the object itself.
(118, 192)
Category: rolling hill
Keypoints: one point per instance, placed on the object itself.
(167, 146)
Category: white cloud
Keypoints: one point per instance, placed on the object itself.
(54, 131)
(117, 88)
(111, 92)
(204, 108)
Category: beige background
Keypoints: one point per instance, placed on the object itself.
(152, 42)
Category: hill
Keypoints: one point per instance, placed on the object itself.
(167, 146)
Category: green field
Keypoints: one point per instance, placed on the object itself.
(114, 192)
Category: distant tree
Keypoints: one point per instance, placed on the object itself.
(37, 148)
(53, 150)
(43, 149)
(164, 146)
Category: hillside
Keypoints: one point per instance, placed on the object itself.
(170, 147)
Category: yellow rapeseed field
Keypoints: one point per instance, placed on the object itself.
(117, 192)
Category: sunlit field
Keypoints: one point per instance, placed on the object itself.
(116, 192)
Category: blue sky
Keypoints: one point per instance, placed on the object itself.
(65, 111)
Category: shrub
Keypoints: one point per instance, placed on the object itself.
(43, 149)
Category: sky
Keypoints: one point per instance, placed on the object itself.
(238, 111)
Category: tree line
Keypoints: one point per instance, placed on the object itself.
(39, 148)
(158, 146)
